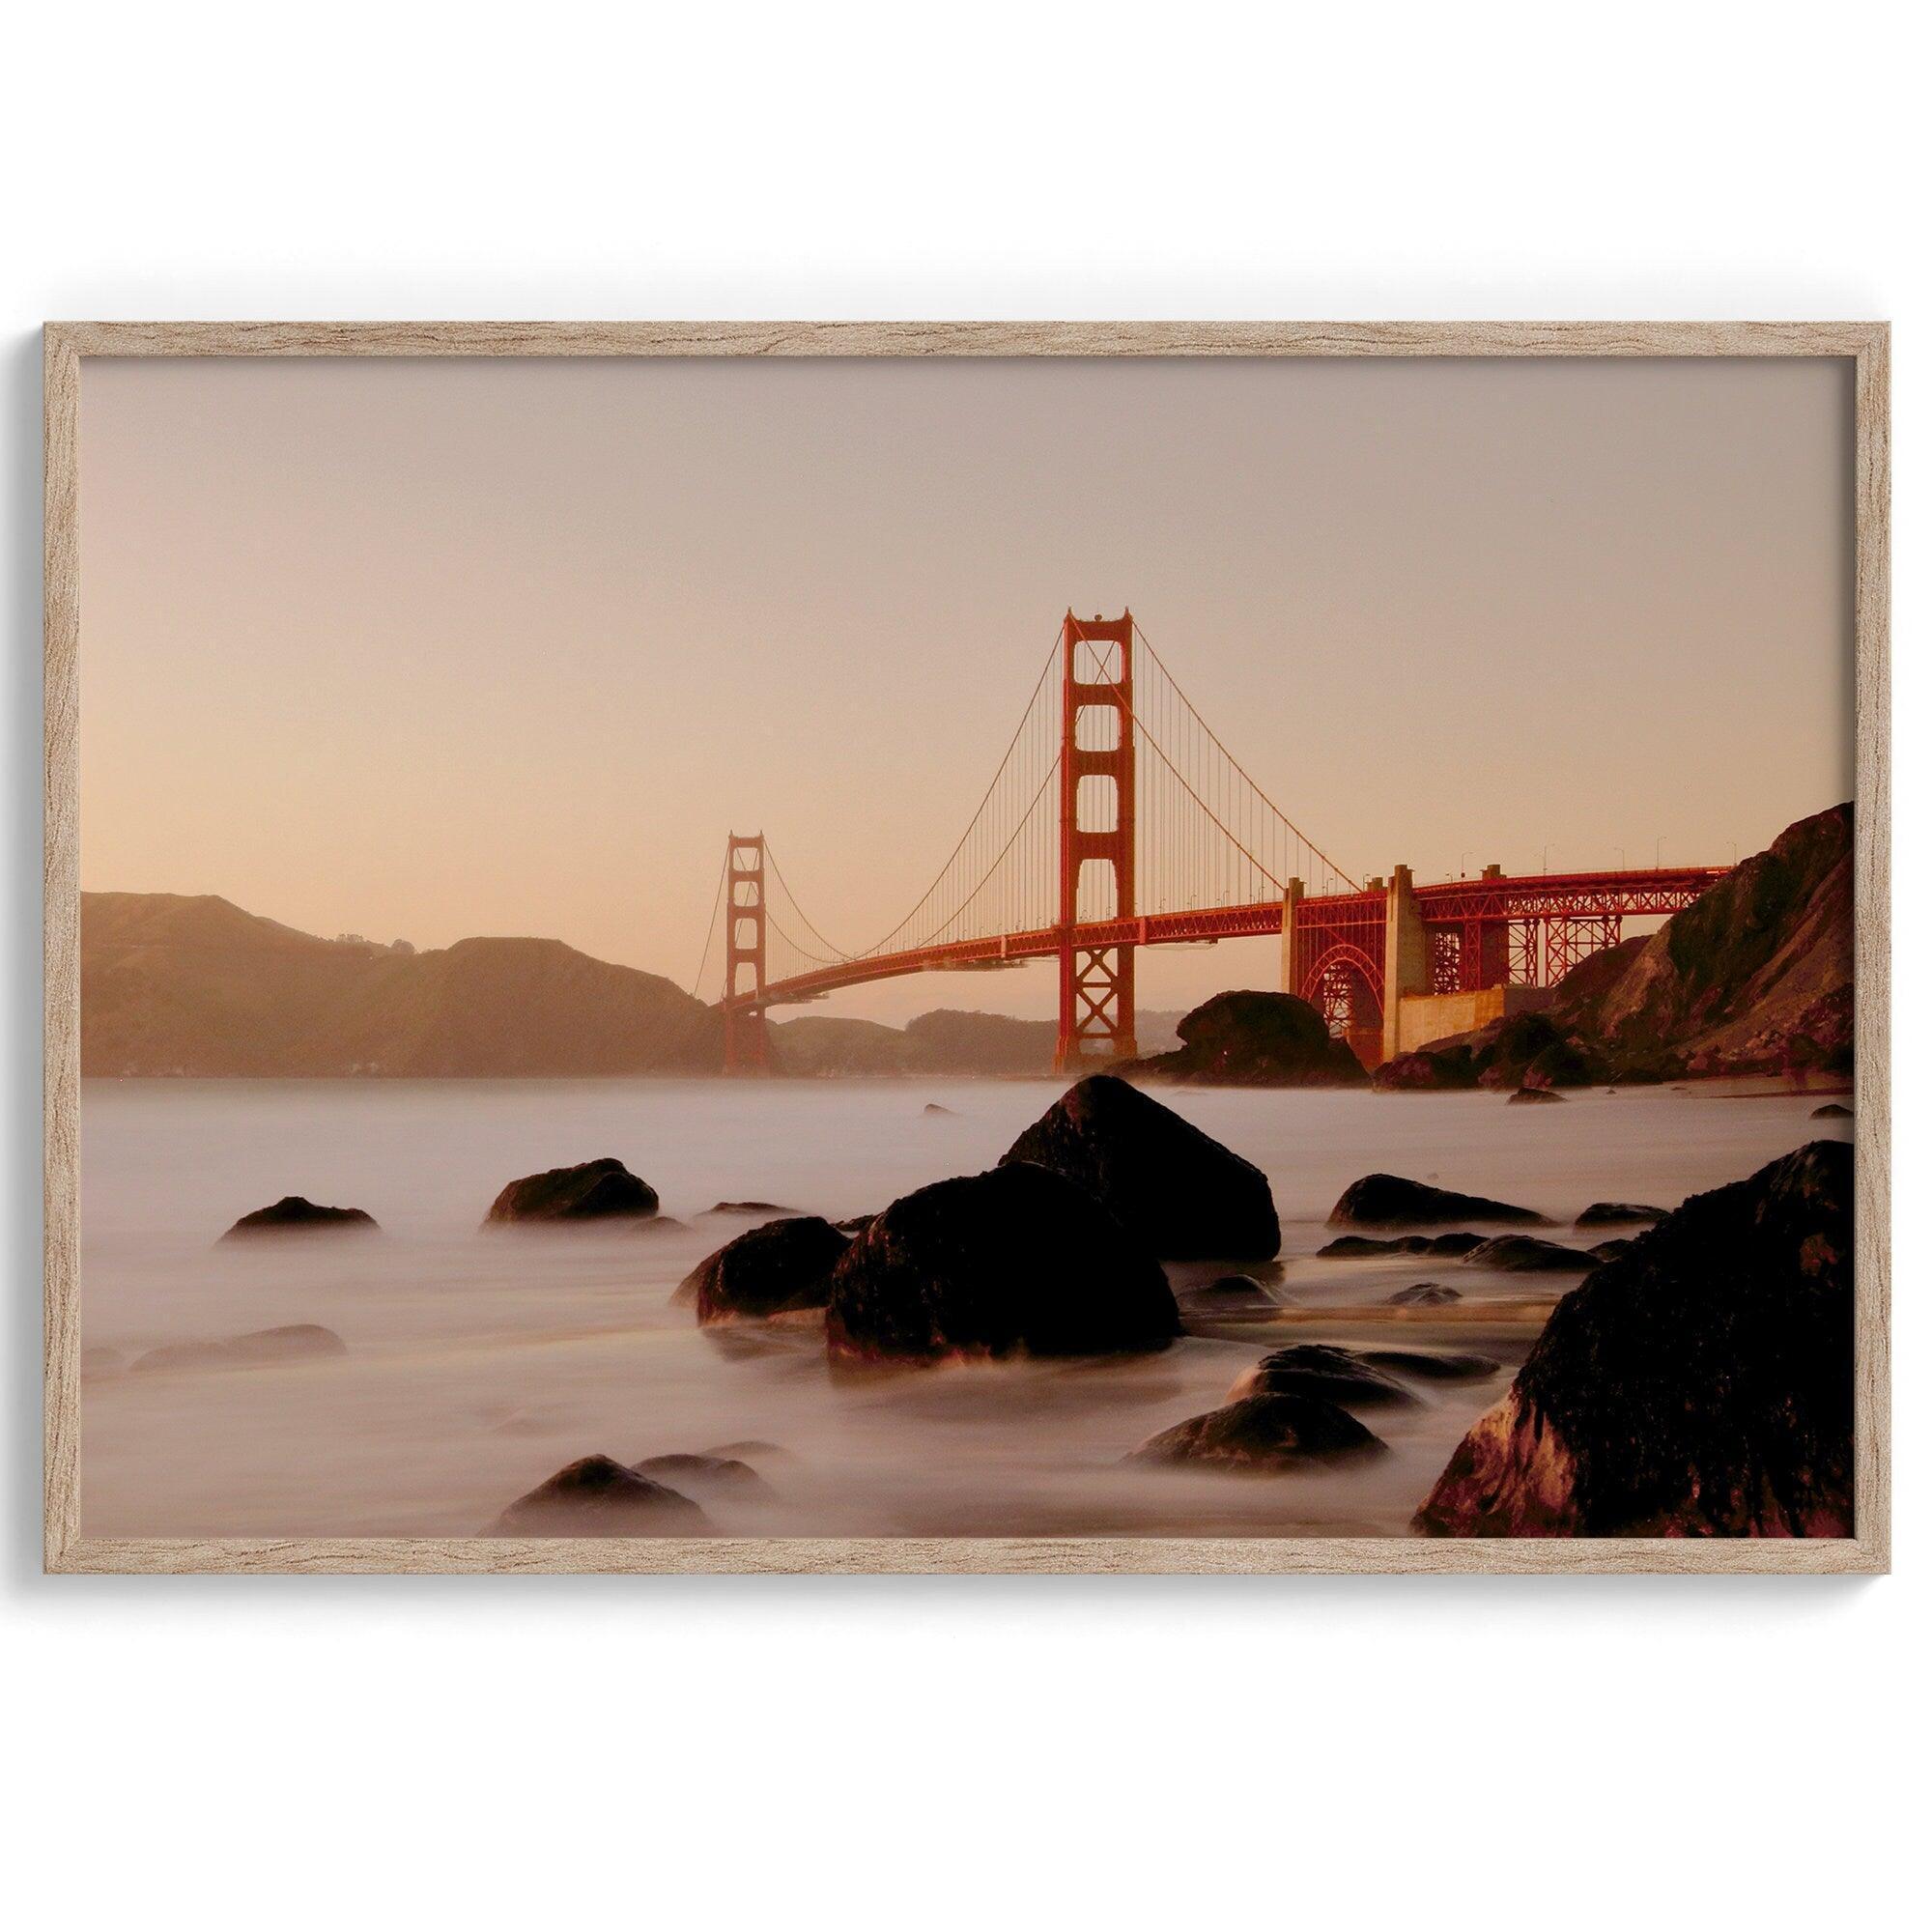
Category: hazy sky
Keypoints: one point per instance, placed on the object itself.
(428, 649)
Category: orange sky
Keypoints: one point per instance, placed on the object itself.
(427, 649)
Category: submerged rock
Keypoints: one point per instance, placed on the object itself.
(1524, 1253)
(1425, 1366)
(1619, 1214)
(1183, 1193)
(748, 1208)
(1533, 1097)
(598, 1496)
(1388, 1201)
(595, 1190)
(1365, 1247)
(1263, 1435)
(1328, 1374)
(1607, 1251)
(1018, 1260)
(260, 1345)
(1425, 1294)
(293, 1216)
(1256, 1039)
(1698, 1385)
(781, 1268)
(704, 1475)
(933, 1107)
(1830, 1111)
(1232, 1292)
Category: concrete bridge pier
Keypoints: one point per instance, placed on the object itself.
(1405, 956)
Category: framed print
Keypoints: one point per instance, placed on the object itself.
(905, 947)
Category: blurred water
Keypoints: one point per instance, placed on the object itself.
(478, 1363)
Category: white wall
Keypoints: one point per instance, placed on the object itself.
(426, 1751)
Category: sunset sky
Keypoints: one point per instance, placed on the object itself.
(430, 649)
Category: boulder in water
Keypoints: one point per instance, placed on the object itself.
(1256, 1039)
(1830, 1111)
(748, 1208)
(1425, 1294)
(596, 1496)
(594, 1190)
(1369, 1247)
(1018, 1260)
(704, 1475)
(1620, 1214)
(1184, 1194)
(1698, 1385)
(260, 1345)
(293, 1216)
(1389, 1201)
(1533, 1097)
(1325, 1373)
(1524, 1253)
(777, 1269)
(1423, 1365)
(1263, 1435)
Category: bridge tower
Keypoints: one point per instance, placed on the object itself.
(1096, 827)
(746, 1044)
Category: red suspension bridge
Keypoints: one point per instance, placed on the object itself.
(1118, 819)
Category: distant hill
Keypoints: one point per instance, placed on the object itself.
(178, 985)
(196, 986)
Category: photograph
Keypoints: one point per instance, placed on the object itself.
(1014, 952)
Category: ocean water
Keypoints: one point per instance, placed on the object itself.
(478, 1363)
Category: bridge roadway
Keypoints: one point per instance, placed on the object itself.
(1449, 905)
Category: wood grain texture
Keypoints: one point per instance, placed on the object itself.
(1866, 343)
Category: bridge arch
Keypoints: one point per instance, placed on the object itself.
(1345, 985)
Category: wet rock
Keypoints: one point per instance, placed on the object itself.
(1232, 1292)
(260, 1345)
(1524, 1253)
(1183, 1193)
(595, 1190)
(1698, 1385)
(1533, 1097)
(1388, 1201)
(748, 1208)
(1367, 1247)
(1424, 1366)
(1263, 1435)
(1619, 1214)
(780, 1269)
(1255, 1039)
(598, 1496)
(1830, 1111)
(855, 1224)
(1327, 1374)
(705, 1475)
(1609, 1250)
(1018, 1260)
(1425, 1294)
(293, 1216)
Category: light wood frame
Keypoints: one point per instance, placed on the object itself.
(1867, 344)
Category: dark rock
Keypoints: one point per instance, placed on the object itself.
(749, 1446)
(748, 1208)
(1364, 1247)
(595, 1190)
(1444, 1066)
(663, 1224)
(293, 1216)
(855, 1224)
(1431, 1367)
(1830, 1111)
(1524, 1253)
(783, 1267)
(1256, 1039)
(1606, 1251)
(1388, 1201)
(1527, 1096)
(1619, 1214)
(260, 1345)
(1263, 1435)
(1521, 1050)
(1325, 1373)
(1187, 1195)
(1698, 1385)
(1018, 1260)
(933, 1107)
(1425, 1294)
(704, 1475)
(598, 1496)
(1226, 1290)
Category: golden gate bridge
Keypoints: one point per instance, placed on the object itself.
(1117, 819)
